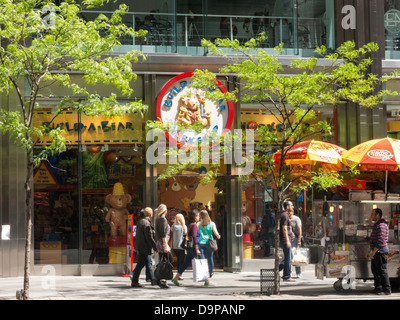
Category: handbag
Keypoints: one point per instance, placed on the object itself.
(212, 243)
(187, 242)
(200, 270)
(164, 270)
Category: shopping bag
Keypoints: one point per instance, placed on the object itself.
(164, 270)
(299, 257)
(200, 270)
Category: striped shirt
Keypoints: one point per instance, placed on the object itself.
(379, 236)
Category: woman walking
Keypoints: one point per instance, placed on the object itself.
(179, 231)
(192, 252)
(162, 230)
(206, 230)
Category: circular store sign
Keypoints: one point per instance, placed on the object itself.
(180, 104)
(392, 21)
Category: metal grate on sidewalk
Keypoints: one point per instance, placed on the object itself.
(267, 285)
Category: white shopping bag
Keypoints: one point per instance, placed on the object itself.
(200, 270)
(300, 257)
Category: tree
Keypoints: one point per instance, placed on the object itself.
(41, 43)
(293, 100)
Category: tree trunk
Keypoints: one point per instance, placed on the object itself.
(277, 246)
(28, 230)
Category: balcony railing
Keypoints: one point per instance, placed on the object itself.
(182, 33)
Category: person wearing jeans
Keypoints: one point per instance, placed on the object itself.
(206, 253)
(286, 235)
(206, 230)
(144, 244)
(296, 243)
(191, 253)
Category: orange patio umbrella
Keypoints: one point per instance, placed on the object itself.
(375, 155)
(311, 152)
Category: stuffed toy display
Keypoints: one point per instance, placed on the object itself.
(117, 214)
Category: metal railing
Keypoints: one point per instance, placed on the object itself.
(175, 30)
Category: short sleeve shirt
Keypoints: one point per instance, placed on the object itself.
(285, 221)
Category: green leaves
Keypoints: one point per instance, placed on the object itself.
(45, 52)
(293, 95)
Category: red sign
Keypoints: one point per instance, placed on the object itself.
(181, 103)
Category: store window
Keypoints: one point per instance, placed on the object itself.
(95, 212)
(258, 219)
(179, 26)
(85, 196)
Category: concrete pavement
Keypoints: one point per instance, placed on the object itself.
(229, 286)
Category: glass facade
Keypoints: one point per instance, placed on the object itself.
(392, 29)
(73, 199)
(178, 26)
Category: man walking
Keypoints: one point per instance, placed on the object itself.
(286, 237)
(144, 243)
(379, 253)
(296, 243)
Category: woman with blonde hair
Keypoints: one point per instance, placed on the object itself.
(162, 230)
(179, 231)
(192, 251)
(206, 230)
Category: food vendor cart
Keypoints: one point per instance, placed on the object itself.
(342, 230)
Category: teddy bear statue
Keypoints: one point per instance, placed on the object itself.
(117, 214)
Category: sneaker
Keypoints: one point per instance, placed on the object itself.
(175, 282)
(211, 274)
(299, 276)
(387, 293)
(289, 280)
(136, 285)
(164, 285)
(209, 284)
(154, 282)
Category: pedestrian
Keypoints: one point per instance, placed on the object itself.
(267, 234)
(296, 229)
(285, 239)
(192, 231)
(379, 252)
(144, 244)
(179, 231)
(162, 231)
(206, 230)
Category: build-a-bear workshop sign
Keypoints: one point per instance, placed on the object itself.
(179, 102)
(125, 129)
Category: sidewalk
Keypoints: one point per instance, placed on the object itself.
(229, 286)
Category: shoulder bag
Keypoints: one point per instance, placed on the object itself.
(211, 241)
(187, 242)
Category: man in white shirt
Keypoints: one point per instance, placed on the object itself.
(296, 228)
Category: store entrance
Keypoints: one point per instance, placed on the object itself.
(183, 193)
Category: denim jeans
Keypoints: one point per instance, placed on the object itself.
(206, 253)
(144, 260)
(190, 255)
(286, 263)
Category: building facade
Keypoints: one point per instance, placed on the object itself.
(71, 231)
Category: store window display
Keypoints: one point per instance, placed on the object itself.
(111, 188)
